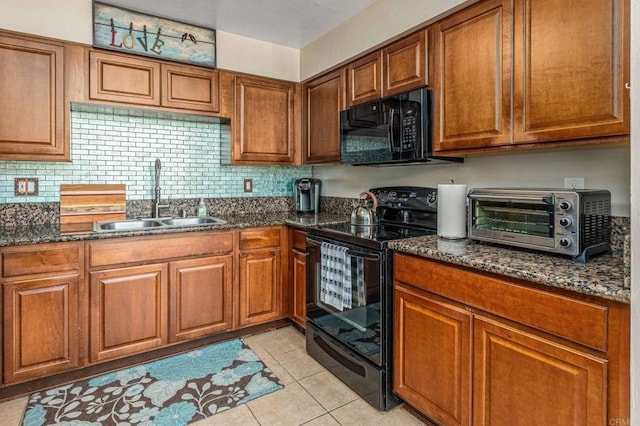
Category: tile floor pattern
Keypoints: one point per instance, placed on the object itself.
(312, 396)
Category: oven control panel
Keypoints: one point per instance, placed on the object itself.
(407, 197)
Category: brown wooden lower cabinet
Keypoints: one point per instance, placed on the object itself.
(298, 276)
(138, 294)
(40, 327)
(42, 288)
(260, 276)
(432, 356)
(522, 379)
(200, 297)
(475, 348)
(128, 311)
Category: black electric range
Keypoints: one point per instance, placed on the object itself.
(349, 291)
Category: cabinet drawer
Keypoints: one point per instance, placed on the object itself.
(155, 248)
(579, 321)
(39, 259)
(259, 238)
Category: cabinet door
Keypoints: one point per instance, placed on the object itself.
(32, 106)
(432, 356)
(124, 79)
(41, 334)
(299, 281)
(325, 97)
(190, 88)
(522, 379)
(405, 64)
(472, 78)
(263, 127)
(365, 79)
(128, 311)
(200, 297)
(571, 63)
(259, 286)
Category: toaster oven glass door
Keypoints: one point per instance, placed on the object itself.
(511, 216)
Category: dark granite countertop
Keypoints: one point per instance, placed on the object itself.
(602, 276)
(50, 233)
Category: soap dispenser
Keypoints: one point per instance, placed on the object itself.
(202, 208)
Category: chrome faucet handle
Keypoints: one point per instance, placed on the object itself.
(157, 208)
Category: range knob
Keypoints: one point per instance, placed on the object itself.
(565, 205)
(565, 242)
(566, 222)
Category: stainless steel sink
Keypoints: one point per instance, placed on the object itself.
(127, 225)
(192, 221)
(142, 224)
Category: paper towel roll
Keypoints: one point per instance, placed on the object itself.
(452, 210)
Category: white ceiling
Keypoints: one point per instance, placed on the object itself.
(293, 23)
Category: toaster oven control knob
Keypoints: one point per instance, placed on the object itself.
(566, 242)
(566, 222)
(565, 205)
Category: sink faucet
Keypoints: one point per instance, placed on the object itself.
(156, 202)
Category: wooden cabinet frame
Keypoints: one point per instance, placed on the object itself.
(526, 325)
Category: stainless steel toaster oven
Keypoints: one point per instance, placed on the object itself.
(569, 222)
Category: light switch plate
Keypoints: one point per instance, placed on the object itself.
(248, 185)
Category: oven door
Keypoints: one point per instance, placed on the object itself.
(344, 297)
(526, 221)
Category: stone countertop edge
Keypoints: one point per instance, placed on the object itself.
(602, 276)
(50, 233)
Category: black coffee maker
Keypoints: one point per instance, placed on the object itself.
(306, 193)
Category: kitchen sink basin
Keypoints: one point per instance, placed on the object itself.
(192, 221)
(127, 225)
(142, 224)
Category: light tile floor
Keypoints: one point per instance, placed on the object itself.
(312, 396)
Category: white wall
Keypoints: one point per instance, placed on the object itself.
(603, 168)
(71, 20)
(635, 203)
(380, 22)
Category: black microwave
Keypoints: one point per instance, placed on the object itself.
(392, 130)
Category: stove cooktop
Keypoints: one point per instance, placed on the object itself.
(381, 232)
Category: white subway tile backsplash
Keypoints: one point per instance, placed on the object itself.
(115, 145)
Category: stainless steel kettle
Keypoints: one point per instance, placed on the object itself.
(363, 214)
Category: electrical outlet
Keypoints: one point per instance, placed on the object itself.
(574, 183)
(25, 186)
(248, 185)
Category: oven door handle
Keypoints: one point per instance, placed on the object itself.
(350, 252)
(313, 240)
(539, 200)
(363, 255)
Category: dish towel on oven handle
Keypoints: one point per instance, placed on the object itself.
(335, 276)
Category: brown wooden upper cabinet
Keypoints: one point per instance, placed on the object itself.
(130, 80)
(365, 79)
(263, 121)
(570, 66)
(472, 78)
(34, 104)
(399, 67)
(405, 64)
(324, 99)
(568, 71)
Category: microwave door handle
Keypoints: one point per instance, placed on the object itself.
(539, 200)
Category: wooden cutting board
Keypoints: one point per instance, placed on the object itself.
(83, 204)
